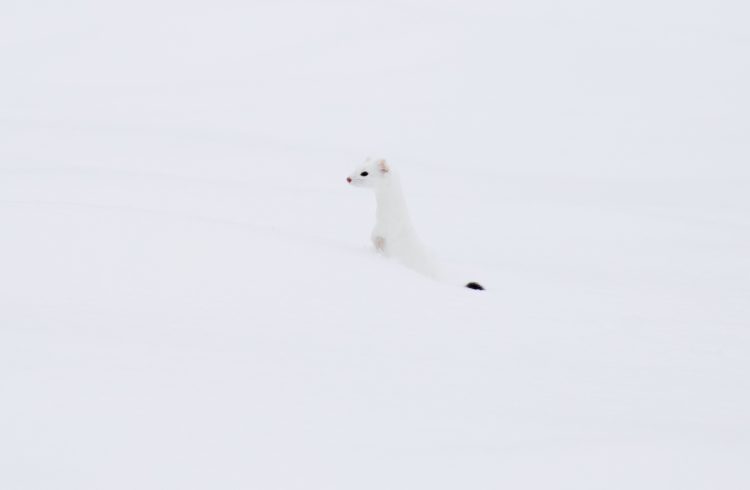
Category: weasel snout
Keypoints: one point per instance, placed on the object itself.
(349, 179)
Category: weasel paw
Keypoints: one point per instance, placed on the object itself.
(379, 243)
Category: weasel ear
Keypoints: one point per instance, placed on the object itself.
(383, 166)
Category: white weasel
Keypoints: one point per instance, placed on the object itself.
(393, 234)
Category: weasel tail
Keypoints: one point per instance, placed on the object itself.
(394, 235)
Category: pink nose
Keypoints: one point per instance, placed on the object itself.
(349, 179)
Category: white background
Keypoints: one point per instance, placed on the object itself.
(188, 298)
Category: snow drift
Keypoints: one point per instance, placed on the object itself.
(188, 295)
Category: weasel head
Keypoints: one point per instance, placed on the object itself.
(371, 175)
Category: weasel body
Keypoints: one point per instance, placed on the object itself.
(393, 234)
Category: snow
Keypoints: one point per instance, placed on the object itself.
(188, 294)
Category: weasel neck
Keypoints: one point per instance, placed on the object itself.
(391, 205)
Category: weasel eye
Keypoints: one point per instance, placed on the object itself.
(364, 174)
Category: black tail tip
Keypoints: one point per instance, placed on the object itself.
(475, 285)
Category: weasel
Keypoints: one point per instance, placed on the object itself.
(393, 234)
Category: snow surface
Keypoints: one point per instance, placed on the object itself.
(189, 299)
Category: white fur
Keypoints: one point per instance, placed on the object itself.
(393, 234)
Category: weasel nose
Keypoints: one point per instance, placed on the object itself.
(349, 179)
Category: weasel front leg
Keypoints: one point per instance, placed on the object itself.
(379, 243)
